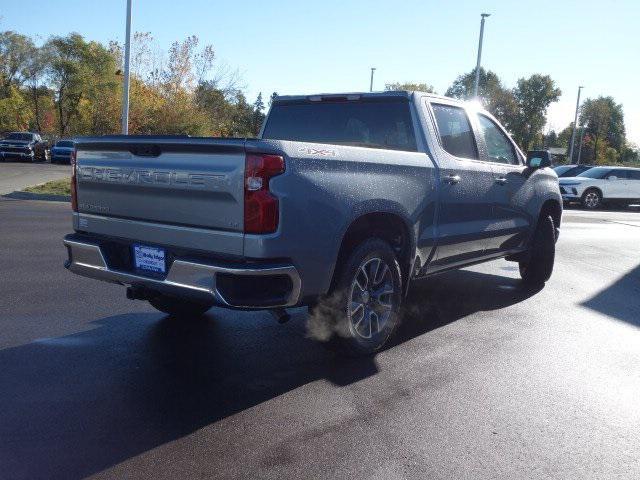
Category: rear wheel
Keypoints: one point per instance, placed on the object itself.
(538, 267)
(179, 307)
(592, 199)
(361, 313)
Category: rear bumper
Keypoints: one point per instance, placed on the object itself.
(222, 285)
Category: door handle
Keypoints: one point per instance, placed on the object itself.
(451, 179)
(501, 180)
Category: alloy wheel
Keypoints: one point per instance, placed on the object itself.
(591, 200)
(371, 298)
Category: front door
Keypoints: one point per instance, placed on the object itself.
(510, 227)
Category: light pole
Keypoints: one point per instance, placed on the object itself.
(575, 125)
(477, 82)
(373, 69)
(125, 87)
(583, 128)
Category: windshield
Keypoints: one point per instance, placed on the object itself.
(20, 136)
(65, 143)
(597, 172)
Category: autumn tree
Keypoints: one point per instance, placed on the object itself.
(410, 87)
(532, 97)
(16, 51)
(493, 96)
(604, 121)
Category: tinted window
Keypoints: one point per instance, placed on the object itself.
(634, 174)
(499, 147)
(596, 172)
(65, 143)
(455, 131)
(384, 123)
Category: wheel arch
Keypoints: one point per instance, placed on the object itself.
(553, 208)
(390, 226)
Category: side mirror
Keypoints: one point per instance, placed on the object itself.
(538, 159)
(612, 177)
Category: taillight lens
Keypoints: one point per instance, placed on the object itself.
(74, 190)
(260, 205)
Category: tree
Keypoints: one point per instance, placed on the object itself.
(258, 114)
(15, 53)
(604, 120)
(81, 74)
(409, 86)
(493, 96)
(34, 73)
(533, 96)
(488, 86)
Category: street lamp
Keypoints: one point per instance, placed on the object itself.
(477, 82)
(373, 69)
(125, 87)
(582, 129)
(575, 125)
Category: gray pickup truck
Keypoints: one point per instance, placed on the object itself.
(339, 204)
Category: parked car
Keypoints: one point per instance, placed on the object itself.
(571, 170)
(24, 146)
(61, 151)
(340, 204)
(599, 185)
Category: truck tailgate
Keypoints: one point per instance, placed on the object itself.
(163, 181)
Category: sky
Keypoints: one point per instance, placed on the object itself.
(302, 47)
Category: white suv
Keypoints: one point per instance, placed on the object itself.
(600, 185)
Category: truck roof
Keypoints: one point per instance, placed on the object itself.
(353, 96)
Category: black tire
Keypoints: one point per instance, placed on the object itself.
(537, 269)
(179, 307)
(361, 313)
(591, 199)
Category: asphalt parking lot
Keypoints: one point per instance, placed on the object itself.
(485, 380)
(15, 176)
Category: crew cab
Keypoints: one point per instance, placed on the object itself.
(24, 146)
(601, 185)
(340, 203)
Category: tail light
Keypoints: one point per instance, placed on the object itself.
(74, 189)
(260, 205)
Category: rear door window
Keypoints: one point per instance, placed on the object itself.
(376, 123)
(455, 131)
(621, 174)
(634, 174)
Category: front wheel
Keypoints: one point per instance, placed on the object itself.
(591, 199)
(179, 307)
(538, 267)
(361, 313)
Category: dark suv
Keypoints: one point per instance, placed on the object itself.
(24, 146)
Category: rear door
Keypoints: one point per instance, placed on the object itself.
(617, 184)
(464, 211)
(511, 222)
(634, 184)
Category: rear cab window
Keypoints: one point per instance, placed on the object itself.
(383, 122)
